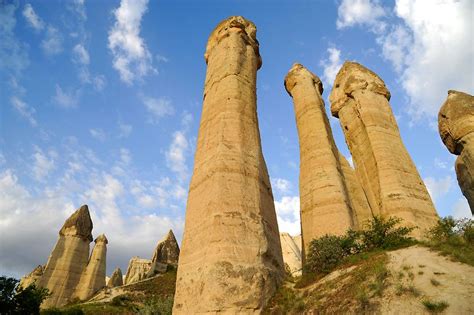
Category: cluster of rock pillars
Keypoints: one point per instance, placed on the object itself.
(231, 258)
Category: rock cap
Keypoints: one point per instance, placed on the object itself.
(351, 77)
(239, 24)
(456, 119)
(297, 73)
(101, 239)
(79, 224)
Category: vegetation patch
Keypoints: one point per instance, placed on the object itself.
(435, 307)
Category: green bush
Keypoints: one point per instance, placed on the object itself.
(158, 306)
(17, 300)
(324, 254)
(382, 233)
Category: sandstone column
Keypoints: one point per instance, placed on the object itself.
(230, 260)
(456, 127)
(68, 259)
(93, 277)
(325, 204)
(389, 178)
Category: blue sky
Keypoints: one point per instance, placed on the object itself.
(100, 103)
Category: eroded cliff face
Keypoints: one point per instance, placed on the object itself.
(230, 260)
(456, 128)
(68, 260)
(292, 256)
(137, 270)
(116, 279)
(389, 177)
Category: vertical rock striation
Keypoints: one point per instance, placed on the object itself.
(166, 253)
(93, 277)
(116, 279)
(291, 250)
(325, 203)
(456, 127)
(137, 270)
(388, 175)
(230, 260)
(68, 259)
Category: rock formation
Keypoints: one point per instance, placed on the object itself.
(137, 269)
(230, 260)
(291, 250)
(166, 253)
(93, 277)
(456, 127)
(325, 203)
(389, 177)
(32, 277)
(116, 279)
(68, 259)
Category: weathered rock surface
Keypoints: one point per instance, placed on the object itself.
(137, 269)
(167, 250)
(361, 208)
(116, 279)
(388, 175)
(32, 277)
(291, 250)
(68, 259)
(93, 277)
(230, 260)
(325, 203)
(456, 127)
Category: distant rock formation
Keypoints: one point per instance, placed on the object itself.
(291, 250)
(32, 277)
(456, 127)
(326, 207)
(137, 269)
(69, 273)
(116, 279)
(166, 253)
(230, 259)
(388, 175)
(93, 277)
(69, 259)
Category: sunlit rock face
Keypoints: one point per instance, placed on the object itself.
(230, 260)
(456, 128)
(137, 270)
(116, 279)
(292, 256)
(389, 177)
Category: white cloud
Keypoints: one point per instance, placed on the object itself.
(53, 42)
(361, 12)
(80, 54)
(24, 110)
(124, 130)
(438, 187)
(65, 99)
(32, 18)
(158, 107)
(99, 82)
(131, 57)
(331, 66)
(282, 185)
(394, 46)
(43, 164)
(176, 155)
(288, 214)
(98, 134)
(461, 209)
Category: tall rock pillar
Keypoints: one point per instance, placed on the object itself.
(230, 260)
(456, 127)
(93, 277)
(325, 204)
(389, 177)
(68, 259)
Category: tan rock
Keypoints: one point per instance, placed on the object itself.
(325, 203)
(361, 209)
(93, 277)
(388, 175)
(167, 250)
(137, 269)
(68, 259)
(116, 279)
(230, 260)
(456, 127)
(291, 251)
(32, 277)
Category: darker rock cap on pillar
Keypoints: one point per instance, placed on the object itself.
(297, 74)
(351, 77)
(456, 119)
(101, 239)
(247, 29)
(79, 224)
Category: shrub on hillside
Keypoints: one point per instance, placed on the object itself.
(17, 300)
(385, 233)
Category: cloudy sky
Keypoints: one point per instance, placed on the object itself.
(100, 103)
